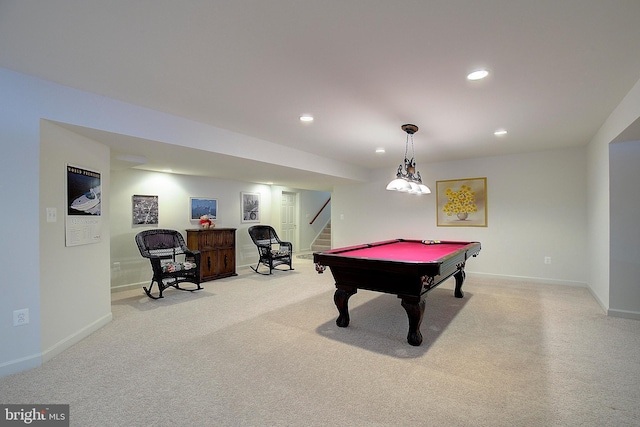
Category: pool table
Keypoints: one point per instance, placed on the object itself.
(403, 267)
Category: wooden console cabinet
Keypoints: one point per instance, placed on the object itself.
(217, 248)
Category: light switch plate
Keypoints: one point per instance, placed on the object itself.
(52, 215)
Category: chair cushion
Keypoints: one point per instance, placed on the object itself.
(279, 252)
(172, 267)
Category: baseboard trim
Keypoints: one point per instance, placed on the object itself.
(530, 279)
(624, 314)
(75, 338)
(598, 300)
(22, 364)
(128, 287)
(37, 359)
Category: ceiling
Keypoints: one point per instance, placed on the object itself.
(362, 68)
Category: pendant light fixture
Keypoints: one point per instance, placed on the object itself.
(408, 179)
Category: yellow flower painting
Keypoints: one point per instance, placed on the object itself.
(462, 202)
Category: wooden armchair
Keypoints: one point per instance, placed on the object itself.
(271, 249)
(171, 260)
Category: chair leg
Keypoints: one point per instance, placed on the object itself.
(271, 267)
(177, 286)
(257, 267)
(162, 285)
(148, 291)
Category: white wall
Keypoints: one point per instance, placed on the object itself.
(309, 203)
(597, 249)
(536, 208)
(19, 223)
(174, 193)
(369, 211)
(624, 293)
(129, 269)
(24, 102)
(75, 290)
(312, 202)
(599, 223)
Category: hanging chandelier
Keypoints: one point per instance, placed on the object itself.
(408, 180)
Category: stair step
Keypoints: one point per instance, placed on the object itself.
(323, 241)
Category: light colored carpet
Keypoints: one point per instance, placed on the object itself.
(265, 351)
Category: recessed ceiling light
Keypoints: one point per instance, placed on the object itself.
(500, 132)
(306, 118)
(477, 75)
(380, 150)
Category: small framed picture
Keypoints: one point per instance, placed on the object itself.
(145, 210)
(462, 202)
(203, 206)
(250, 207)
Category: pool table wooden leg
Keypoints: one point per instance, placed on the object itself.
(415, 312)
(341, 298)
(459, 276)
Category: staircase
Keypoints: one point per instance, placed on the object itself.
(323, 241)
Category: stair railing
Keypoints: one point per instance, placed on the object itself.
(320, 211)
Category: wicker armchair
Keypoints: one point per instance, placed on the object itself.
(271, 249)
(171, 260)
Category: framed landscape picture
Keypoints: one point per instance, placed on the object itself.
(461, 202)
(203, 206)
(250, 207)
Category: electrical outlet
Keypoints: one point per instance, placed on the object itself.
(21, 317)
(547, 260)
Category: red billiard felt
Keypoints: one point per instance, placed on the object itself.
(411, 251)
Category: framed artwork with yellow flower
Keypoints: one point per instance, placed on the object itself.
(461, 202)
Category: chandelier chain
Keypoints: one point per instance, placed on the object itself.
(406, 147)
(413, 151)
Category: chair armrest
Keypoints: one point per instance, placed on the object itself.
(195, 254)
(189, 252)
